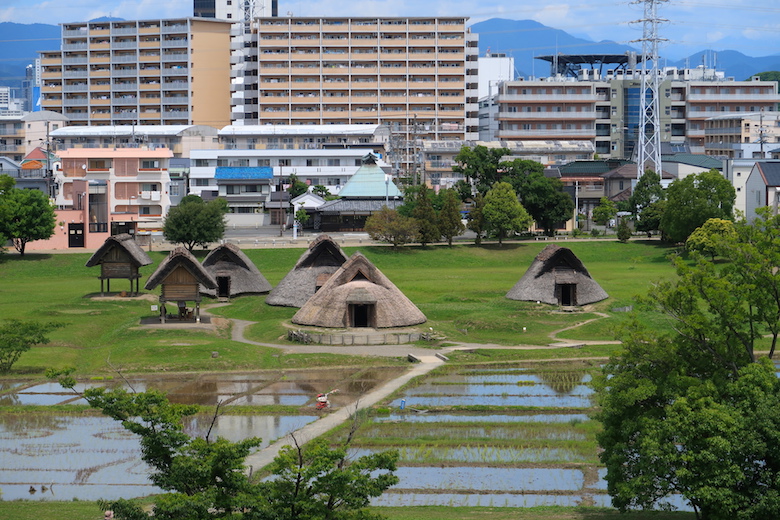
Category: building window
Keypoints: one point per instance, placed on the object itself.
(200, 182)
(150, 164)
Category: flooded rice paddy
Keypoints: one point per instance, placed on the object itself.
(515, 436)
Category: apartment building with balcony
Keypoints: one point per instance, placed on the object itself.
(736, 136)
(416, 75)
(143, 72)
(180, 139)
(438, 157)
(110, 191)
(371, 137)
(605, 109)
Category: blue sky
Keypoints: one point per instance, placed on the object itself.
(751, 27)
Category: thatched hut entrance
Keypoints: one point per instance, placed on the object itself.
(566, 294)
(223, 287)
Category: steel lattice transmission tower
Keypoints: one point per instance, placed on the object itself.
(649, 130)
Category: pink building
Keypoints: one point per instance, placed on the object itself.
(102, 192)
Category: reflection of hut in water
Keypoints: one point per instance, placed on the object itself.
(181, 276)
(557, 277)
(314, 267)
(120, 256)
(359, 295)
(234, 272)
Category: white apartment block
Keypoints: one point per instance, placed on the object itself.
(144, 72)
(247, 177)
(604, 110)
(416, 75)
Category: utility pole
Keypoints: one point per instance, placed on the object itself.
(649, 106)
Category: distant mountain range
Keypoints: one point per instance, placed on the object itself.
(522, 39)
(526, 39)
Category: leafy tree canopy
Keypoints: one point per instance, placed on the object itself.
(388, 225)
(480, 165)
(449, 218)
(542, 197)
(605, 211)
(195, 222)
(503, 213)
(425, 215)
(695, 199)
(17, 337)
(708, 238)
(297, 187)
(25, 216)
(695, 412)
(648, 190)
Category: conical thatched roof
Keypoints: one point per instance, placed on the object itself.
(322, 259)
(228, 260)
(553, 268)
(124, 242)
(180, 257)
(358, 283)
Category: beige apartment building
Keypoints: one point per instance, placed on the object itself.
(604, 109)
(417, 75)
(144, 72)
(737, 136)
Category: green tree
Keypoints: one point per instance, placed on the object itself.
(17, 337)
(605, 211)
(623, 231)
(195, 222)
(302, 216)
(387, 225)
(707, 238)
(425, 215)
(694, 412)
(648, 190)
(25, 216)
(480, 165)
(317, 482)
(542, 197)
(6, 184)
(320, 191)
(297, 187)
(693, 200)
(503, 213)
(450, 221)
(463, 190)
(476, 218)
(650, 219)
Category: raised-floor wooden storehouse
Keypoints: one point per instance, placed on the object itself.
(314, 267)
(120, 256)
(234, 272)
(359, 295)
(557, 277)
(181, 277)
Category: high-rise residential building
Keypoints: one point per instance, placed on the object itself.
(605, 109)
(169, 72)
(417, 75)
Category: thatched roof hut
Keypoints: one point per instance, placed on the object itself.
(314, 267)
(120, 256)
(234, 272)
(557, 277)
(359, 295)
(181, 276)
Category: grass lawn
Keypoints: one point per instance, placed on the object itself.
(460, 289)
